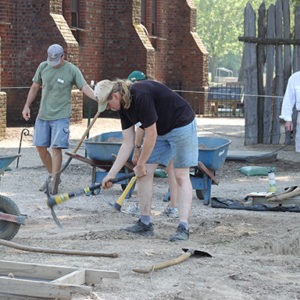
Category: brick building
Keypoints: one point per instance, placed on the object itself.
(105, 39)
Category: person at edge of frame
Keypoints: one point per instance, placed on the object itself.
(171, 209)
(170, 131)
(291, 100)
(52, 125)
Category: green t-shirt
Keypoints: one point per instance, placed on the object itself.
(57, 84)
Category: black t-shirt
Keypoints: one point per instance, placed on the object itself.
(154, 102)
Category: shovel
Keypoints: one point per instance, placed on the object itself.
(188, 252)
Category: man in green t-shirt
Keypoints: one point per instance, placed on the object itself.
(57, 77)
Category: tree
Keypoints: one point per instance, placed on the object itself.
(220, 23)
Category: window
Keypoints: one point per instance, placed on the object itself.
(143, 12)
(153, 18)
(75, 21)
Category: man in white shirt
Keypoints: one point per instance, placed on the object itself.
(290, 100)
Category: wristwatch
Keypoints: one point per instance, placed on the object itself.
(138, 147)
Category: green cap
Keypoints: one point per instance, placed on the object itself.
(136, 75)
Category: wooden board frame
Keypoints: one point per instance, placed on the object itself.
(48, 281)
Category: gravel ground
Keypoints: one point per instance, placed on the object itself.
(255, 255)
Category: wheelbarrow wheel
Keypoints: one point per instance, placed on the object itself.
(8, 229)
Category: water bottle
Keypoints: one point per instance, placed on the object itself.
(272, 182)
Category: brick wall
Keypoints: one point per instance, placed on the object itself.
(76, 99)
(110, 42)
(181, 59)
(2, 115)
(36, 24)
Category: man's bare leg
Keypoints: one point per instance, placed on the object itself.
(172, 184)
(56, 167)
(45, 157)
(185, 193)
(145, 190)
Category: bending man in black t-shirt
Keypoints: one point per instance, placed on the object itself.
(170, 131)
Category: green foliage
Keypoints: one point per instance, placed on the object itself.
(295, 2)
(221, 22)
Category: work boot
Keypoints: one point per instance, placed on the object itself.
(181, 234)
(43, 187)
(140, 228)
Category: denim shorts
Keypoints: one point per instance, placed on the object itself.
(53, 133)
(180, 143)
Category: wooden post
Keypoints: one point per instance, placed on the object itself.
(287, 53)
(279, 76)
(296, 62)
(269, 76)
(261, 58)
(250, 75)
(286, 34)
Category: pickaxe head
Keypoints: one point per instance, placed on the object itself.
(51, 203)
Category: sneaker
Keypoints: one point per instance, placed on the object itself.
(140, 228)
(171, 212)
(134, 210)
(181, 234)
(43, 187)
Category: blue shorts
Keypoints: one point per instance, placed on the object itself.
(52, 133)
(180, 143)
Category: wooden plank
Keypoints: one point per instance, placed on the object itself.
(27, 270)
(50, 272)
(269, 41)
(279, 88)
(15, 297)
(269, 76)
(95, 276)
(76, 277)
(32, 288)
(250, 78)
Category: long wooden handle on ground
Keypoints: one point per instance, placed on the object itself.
(284, 195)
(80, 142)
(55, 251)
(164, 264)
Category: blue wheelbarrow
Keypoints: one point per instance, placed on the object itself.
(10, 217)
(212, 153)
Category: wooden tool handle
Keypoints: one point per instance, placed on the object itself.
(284, 196)
(165, 264)
(55, 251)
(126, 191)
(87, 131)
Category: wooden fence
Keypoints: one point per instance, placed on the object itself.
(273, 52)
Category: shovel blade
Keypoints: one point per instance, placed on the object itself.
(197, 253)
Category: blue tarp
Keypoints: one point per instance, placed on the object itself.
(233, 204)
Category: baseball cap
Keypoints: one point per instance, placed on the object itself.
(136, 75)
(102, 91)
(55, 52)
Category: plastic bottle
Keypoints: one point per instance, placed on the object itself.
(272, 182)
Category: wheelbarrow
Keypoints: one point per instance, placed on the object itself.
(212, 153)
(10, 217)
